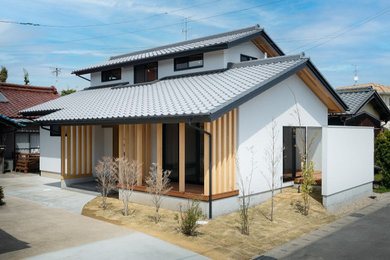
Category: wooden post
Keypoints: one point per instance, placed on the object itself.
(80, 151)
(74, 151)
(230, 149)
(68, 151)
(159, 151)
(206, 159)
(85, 147)
(234, 147)
(182, 157)
(62, 151)
(224, 175)
(139, 155)
(120, 141)
(214, 158)
(219, 155)
(127, 142)
(90, 150)
(132, 143)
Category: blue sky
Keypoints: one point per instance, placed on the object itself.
(337, 35)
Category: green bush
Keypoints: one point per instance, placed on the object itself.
(1, 196)
(188, 218)
(382, 155)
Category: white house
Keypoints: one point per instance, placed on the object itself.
(204, 109)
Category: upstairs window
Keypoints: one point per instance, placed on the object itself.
(246, 58)
(146, 72)
(189, 62)
(110, 75)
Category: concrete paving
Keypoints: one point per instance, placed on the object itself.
(45, 191)
(364, 234)
(39, 225)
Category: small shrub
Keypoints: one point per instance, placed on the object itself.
(307, 187)
(1, 196)
(382, 189)
(382, 155)
(158, 185)
(106, 176)
(188, 218)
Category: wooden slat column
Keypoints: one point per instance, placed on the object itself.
(206, 159)
(214, 158)
(182, 157)
(159, 152)
(89, 150)
(219, 155)
(234, 165)
(85, 149)
(139, 153)
(74, 152)
(63, 151)
(132, 142)
(120, 141)
(68, 151)
(127, 142)
(80, 151)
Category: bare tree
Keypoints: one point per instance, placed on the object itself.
(245, 199)
(307, 163)
(106, 177)
(158, 185)
(273, 156)
(127, 178)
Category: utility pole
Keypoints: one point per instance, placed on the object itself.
(56, 71)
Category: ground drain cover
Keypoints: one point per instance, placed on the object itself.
(357, 215)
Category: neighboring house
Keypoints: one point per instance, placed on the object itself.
(383, 91)
(161, 105)
(13, 98)
(365, 108)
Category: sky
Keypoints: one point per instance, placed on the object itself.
(338, 36)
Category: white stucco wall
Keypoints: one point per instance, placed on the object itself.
(348, 158)
(50, 152)
(248, 48)
(255, 127)
(127, 76)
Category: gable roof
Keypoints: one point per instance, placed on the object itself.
(19, 97)
(378, 87)
(357, 98)
(204, 44)
(201, 97)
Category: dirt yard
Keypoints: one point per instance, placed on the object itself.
(221, 237)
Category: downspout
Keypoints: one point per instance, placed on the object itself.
(210, 166)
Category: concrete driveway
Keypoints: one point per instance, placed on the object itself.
(364, 234)
(46, 224)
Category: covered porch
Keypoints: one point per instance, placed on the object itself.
(178, 147)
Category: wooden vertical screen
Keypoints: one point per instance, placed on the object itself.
(223, 130)
(182, 157)
(159, 147)
(139, 152)
(206, 152)
(76, 151)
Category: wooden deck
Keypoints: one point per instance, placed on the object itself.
(316, 175)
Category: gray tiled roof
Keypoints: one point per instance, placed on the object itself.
(191, 96)
(191, 45)
(355, 98)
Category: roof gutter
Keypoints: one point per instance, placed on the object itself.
(210, 166)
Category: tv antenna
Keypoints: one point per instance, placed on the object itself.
(56, 71)
(185, 29)
(355, 78)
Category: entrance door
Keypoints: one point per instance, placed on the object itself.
(294, 143)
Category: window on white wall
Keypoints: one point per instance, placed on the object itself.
(246, 58)
(189, 62)
(110, 75)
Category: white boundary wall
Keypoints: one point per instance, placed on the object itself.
(347, 164)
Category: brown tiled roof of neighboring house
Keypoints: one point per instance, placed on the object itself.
(378, 87)
(16, 97)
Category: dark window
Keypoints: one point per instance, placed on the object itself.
(246, 58)
(194, 172)
(55, 130)
(146, 72)
(189, 62)
(109, 75)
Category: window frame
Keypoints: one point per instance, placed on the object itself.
(247, 57)
(175, 62)
(104, 79)
(144, 67)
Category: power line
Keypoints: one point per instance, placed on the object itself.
(168, 25)
(107, 24)
(345, 30)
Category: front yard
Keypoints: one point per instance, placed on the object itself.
(221, 237)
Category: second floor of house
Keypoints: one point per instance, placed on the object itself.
(199, 55)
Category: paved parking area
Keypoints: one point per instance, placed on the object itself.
(36, 223)
(364, 234)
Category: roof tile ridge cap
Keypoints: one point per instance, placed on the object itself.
(255, 27)
(267, 61)
(48, 91)
(355, 89)
(14, 85)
